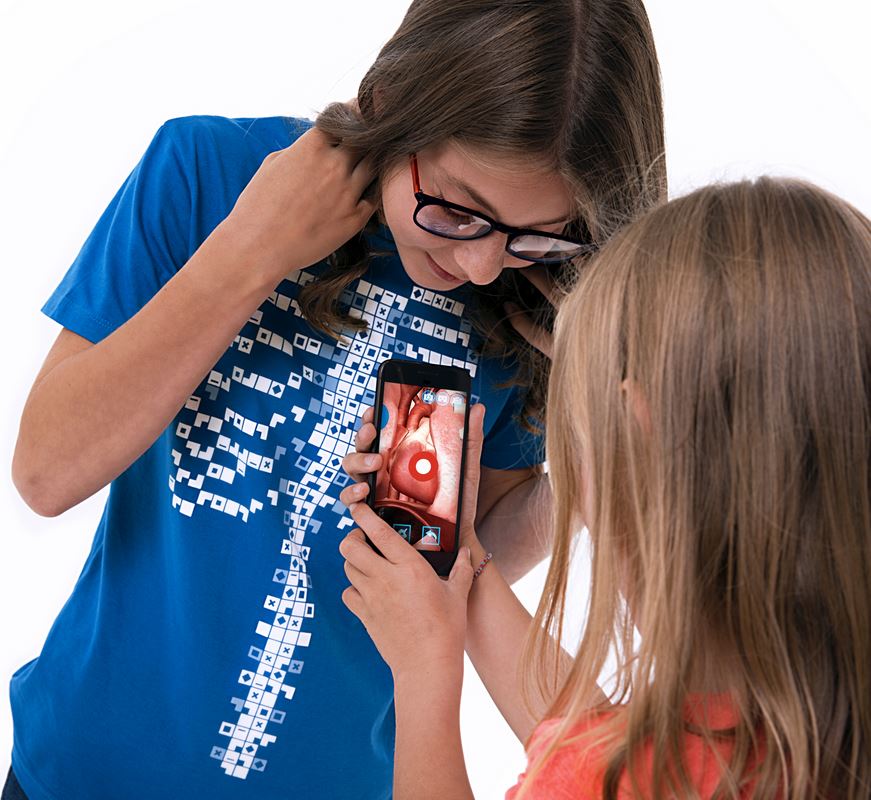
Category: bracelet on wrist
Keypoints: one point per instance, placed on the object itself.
(480, 569)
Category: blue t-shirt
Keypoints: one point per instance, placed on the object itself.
(205, 651)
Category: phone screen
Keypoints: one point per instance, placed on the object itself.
(421, 437)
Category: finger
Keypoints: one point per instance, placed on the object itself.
(353, 601)
(357, 552)
(541, 278)
(475, 441)
(362, 173)
(369, 415)
(354, 493)
(538, 337)
(359, 465)
(472, 474)
(367, 209)
(462, 573)
(365, 437)
(392, 546)
(359, 579)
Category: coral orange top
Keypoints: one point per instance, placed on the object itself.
(576, 772)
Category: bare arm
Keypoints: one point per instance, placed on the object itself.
(419, 720)
(497, 625)
(514, 518)
(94, 409)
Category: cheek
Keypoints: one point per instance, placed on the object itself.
(398, 204)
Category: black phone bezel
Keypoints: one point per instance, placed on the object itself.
(418, 373)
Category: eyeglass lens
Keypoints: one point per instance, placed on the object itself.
(456, 224)
(448, 222)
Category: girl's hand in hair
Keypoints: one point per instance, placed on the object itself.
(301, 205)
(538, 337)
(358, 466)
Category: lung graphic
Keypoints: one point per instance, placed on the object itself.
(281, 449)
(414, 466)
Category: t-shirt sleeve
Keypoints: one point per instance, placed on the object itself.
(141, 240)
(507, 445)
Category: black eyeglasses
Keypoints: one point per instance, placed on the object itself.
(452, 221)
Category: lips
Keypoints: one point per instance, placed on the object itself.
(441, 273)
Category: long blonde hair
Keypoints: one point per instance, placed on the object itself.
(713, 376)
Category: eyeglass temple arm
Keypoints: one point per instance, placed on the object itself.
(415, 175)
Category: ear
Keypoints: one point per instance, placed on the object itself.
(638, 405)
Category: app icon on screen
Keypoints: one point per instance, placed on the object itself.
(431, 534)
(403, 530)
(428, 395)
(443, 397)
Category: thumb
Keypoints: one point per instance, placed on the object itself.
(460, 578)
(472, 476)
(475, 442)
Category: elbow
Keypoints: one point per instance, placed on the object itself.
(35, 490)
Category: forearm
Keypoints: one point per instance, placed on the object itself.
(518, 529)
(95, 412)
(497, 627)
(429, 762)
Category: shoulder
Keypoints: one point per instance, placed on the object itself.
(226, 138)
(196, 166)
(576, 769)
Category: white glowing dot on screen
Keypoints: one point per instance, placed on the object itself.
(460, 432)
(423, 467)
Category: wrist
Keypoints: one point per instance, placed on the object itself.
(439, 675)
(476, 549)
(254, 262)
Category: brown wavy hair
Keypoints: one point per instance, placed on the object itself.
(737, 503)
(573, 84)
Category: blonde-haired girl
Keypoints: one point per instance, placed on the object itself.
(709, 419)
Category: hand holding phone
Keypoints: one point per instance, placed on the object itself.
(388, 591)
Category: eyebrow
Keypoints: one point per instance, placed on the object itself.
(480, 201)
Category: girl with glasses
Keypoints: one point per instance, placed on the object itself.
(709, 419)
(222, 326)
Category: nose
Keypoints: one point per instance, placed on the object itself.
(482, 259)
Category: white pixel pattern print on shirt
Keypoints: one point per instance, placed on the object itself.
(309, 392)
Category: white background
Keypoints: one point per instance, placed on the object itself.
(751, 86)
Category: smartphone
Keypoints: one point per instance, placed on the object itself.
(422, 424)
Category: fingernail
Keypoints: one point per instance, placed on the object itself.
(369, 461)
(360, 488)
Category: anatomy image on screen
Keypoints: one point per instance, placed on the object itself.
(421, 439)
